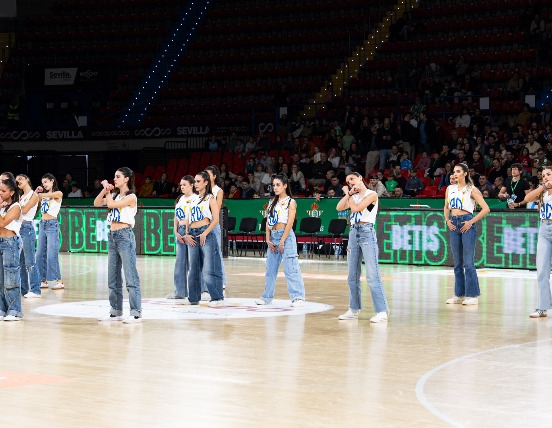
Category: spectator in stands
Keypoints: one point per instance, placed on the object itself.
(75, 191)
(484, 185)
(498, 184)
(162, 187)
(413, 185)
(267, 182)
(319, 171)
(462, 67)
(333, 157)
(246, 189)
(409, 135)
(213, 144)
(355, 157)
(377, 186)
(250, 166)
(427, 133)
(525, 117)
(460, 157)
(239, 147)
(532, 146)
(223, 171)
(66, 187)
(397, 174)
(348, 139)
(477, 163)
(234, 192)
(514, 189)
(546, 114)
(463, 120)
(445, 177)
(386, 137)
(364, 136)
(514, 86)
(251, 145)
(223, 145)
(537, 29)
(406, 163)
(284, 170)
(297, 180)
(258, 176)
(399, 193)
(424, 162)
(417, 108)
(540, 161)
(390, 183)
(95, 191)
(336, 186)
(525, 160)
(232, 142)
(146, 190)
(394, 158)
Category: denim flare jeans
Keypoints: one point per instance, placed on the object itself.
(181, 266)
(292, 271)
(48, 250)
(10, 288)
(544, 256)
(122, 256)
(363, 242)
(30, 278)
(204, 263)
(463, 252)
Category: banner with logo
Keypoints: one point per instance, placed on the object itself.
(60, 76)
(504, 239)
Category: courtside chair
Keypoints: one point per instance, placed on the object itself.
(248, 225)
(336, 229)
(308, 227)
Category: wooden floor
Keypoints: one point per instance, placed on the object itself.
(432, 365)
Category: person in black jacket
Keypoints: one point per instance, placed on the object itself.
(427, 133)
(386, 137)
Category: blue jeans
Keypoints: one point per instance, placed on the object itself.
(122, 256)
(544, 256)
(384, 154)
(181, 267)
(29, 269)
(48, 250)
(204, 263)
(463, 252)
(10, 287)
(363, 242)
(218, 236)
(292, 271)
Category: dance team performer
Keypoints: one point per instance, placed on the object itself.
(120, 198)
(203, 250)
(47, 253)
(282, 245)
(544, 244)
(460, 199)
(363, 204)
(30, 278)
(10, 249)
(181, 214)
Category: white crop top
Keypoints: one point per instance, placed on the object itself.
(14, 225)
(546, 206)
(215, 191)
(50, 206)
(123, 215)
(461, 199)
(281, 213)
(182, 208)
(30, 215)
(200, 210)
(366, 215)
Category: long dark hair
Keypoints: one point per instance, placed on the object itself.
(208, 189)
(127, 173)
(11, 184)
(52, 177)
(26, 177)
(216, 173)
(190, 180)
(285, 181)
(465, 168)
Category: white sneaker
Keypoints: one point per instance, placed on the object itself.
(457, 300)
(183, 301)
(174, 296)
(12, 318)
(111, 318)
(132, 320)
(261, 302)
(539, 313)
(470, 301)
(216, 304)
(351, 314)
(31, 295)
(44, 284)
(205, 296)
(58, 285)
(298, 303)
(379, 317)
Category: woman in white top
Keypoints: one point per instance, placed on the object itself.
(219, 196)
(47, 251)
(10, 249)
(333, 158)
(543, 194)
(463, 120)
(460, 202)
(282, 245)
(363, 204)
(181, 214)
(203, 250)
(30, 278)
(123, 206)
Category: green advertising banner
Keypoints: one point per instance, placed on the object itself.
(406, 236)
